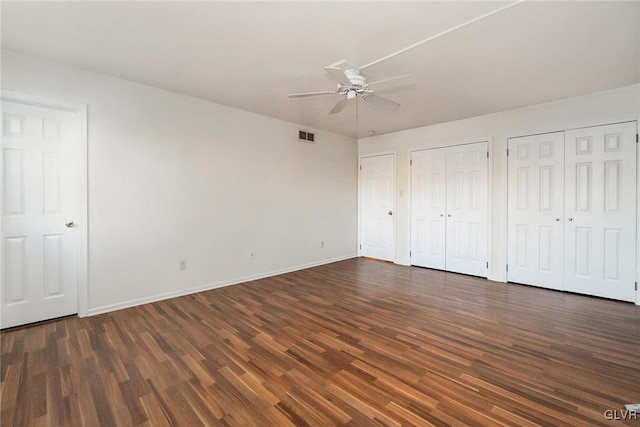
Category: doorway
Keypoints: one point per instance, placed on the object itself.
(377, 201)
(44, 209)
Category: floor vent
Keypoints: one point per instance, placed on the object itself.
(306, 136)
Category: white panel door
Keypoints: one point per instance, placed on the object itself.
(600, 211)
(428, 207)
(377, 189)
(535, 210)
(39, 194)
(466, 233)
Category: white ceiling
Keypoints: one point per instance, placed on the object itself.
(250, 55)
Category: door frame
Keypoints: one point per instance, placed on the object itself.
(489, 225)
(83, 225)
(395, 204)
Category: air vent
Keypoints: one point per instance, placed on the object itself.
(306, 136)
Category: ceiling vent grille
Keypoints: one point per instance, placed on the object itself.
(305, 136)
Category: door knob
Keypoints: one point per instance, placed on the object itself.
(390, 213)
(557, 219)
(69, 224)
(441, 214)
(570, 219)
(449, 215)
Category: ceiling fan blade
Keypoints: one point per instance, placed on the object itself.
(338, 75)
(339, 106)
(392, 83)
(306, 94)
(383, 103)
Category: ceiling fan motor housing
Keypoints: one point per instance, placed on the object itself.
(357, 79)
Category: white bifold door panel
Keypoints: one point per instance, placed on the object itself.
(377, 190)
(600, 211)
(428, 208)
(467, 209)
(572, 210)
(39, 195)
(449, 208)
(535, 210)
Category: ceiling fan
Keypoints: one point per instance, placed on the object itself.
(352, 84)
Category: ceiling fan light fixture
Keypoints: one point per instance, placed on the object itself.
(351, 94)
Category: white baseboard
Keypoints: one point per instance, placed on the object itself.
(168, 295)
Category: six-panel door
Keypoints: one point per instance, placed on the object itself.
(376, 208)
(535, 210)
(466, 242)
(600, 211)
(428, 207)
(39, 190)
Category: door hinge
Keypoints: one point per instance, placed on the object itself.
(360, 246)
(507, 267)
(487, 264)
(409, 254)
(360, 167)
(487, 154)
(636, 138)
(507, 151)
(411, 162)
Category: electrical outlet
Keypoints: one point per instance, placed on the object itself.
(183, 265)
(322, 244)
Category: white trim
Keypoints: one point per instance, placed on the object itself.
(41, 101)
(489, 224)
(82, 220)
(395, 195)
(135, 302)
(591, 125)
(409, 204)
(637, 302)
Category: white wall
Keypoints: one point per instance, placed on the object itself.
(176, 178)
(600, 108)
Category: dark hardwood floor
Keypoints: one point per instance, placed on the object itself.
(357, 342)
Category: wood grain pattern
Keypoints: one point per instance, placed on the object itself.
(358, 342)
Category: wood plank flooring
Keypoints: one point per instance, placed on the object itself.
(358, 343)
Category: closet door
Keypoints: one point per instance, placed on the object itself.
(466, 217)
(428, 196)
(600, 211)
(535, 210)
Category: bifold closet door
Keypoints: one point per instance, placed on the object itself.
(600, 211)
(466, 231)
(428, 207)
(535, 210)
(449, 208)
